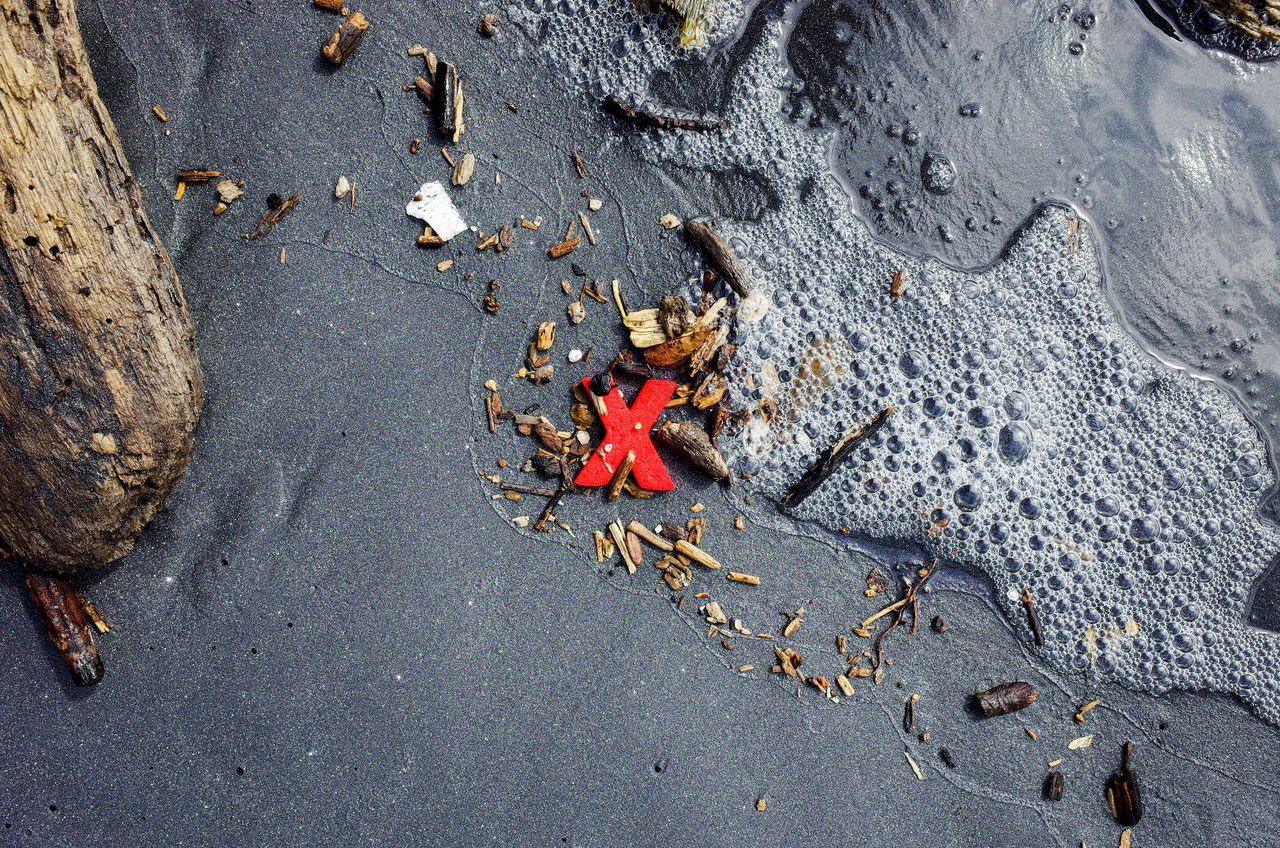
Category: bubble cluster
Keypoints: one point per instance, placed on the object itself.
(1032, 438)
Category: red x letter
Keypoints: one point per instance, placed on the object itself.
(628, 430)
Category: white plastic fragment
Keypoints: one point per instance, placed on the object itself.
(340, 190)
(432, 204)
(575, 355)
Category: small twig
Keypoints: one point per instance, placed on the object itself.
(1033, 618)
(909, 598)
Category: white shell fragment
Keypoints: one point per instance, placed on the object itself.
(432, 204)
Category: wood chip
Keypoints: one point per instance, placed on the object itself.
(650, 537)
(620, 541)
(845, 686)
(339, 46)
(579, 166)
(792, 626)
(696, 554)
(915, 768)
(620, 475)
(464, 169)
(714, 613)
(740, 577)
(159, 113)
(898, 285)
(1080, 742)
(669, 221)
(563, 248)
(444, 265)
(586, 227)
(761, 805)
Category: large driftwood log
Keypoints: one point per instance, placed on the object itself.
(100, 387)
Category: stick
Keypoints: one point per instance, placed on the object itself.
(614, 488)
(720, 256)
(650, 537)
(833, 457)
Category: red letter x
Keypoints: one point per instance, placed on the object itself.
(628, 430)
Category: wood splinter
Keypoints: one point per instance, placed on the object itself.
(69, 623)
(339, 46)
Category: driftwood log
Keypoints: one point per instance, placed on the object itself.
(101, 386)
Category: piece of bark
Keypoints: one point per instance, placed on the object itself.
(672, 352)
(69, 624)
(102, 386)
(448, 101)
(704, 236)
(692, 443)
(339, 46)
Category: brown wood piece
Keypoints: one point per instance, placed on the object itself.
(68, 623)
(693, 443)
(102, 387)
(704, 236)
(334, 6)
(339, 46)
(614, 488)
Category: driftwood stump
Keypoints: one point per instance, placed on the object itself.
(100, 387)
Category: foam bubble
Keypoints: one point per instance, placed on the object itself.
(1032, 439)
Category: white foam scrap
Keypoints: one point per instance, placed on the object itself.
(432, 204)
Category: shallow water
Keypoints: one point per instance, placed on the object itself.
(1034, 440)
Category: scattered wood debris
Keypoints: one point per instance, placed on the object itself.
(761, 803)
(1033, 618)
(1054, 784)
(334, 6)
(898, 284)
(1080, 742)
(1084, 708)
(447, 99)
(914, 768)
(159, 113)
(488, 26)
(277, 208)
(338, 47)
(564, 248)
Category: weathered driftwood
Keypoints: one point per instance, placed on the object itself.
(101, 388)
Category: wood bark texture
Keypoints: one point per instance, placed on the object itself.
(100, 386)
